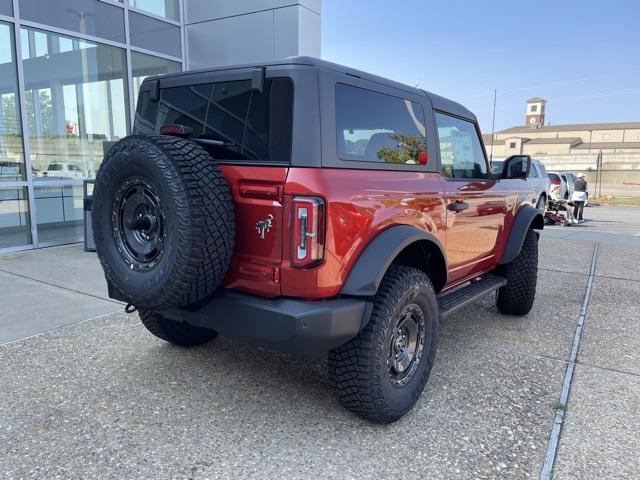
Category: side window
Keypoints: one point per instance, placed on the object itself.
(533, 171)
(461, 152)
(250, 125)
(375, 127)
(543, 171)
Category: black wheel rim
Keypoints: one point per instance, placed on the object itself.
(406, 345)
(138, 224)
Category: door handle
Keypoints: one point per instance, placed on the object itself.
(458, 206)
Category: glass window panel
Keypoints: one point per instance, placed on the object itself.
(143, 65)
(6, 7)
(163, 8)
(461, 153)
(59, 213)
(90, 17)
(12, 166)
(15, 229)
(374, 127)
(252, 125)
(153, 34)
(75, 100)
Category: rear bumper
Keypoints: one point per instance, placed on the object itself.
(284, 324)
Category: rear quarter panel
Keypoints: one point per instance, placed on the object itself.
(360, 204)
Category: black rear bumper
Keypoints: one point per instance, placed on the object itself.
(284, 324)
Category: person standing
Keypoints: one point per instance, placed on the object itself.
(579, 197)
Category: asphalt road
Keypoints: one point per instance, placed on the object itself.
(103, 398)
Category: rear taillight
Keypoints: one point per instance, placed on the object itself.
(307, 246)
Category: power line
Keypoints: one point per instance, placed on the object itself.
(553, 84)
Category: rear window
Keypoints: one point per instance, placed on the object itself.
(553, 176)
(374, 127)
(253, 126)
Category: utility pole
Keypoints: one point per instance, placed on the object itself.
(493, 123)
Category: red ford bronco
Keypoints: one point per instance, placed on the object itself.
(306, 206)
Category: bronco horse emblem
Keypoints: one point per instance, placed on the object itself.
(264, 226)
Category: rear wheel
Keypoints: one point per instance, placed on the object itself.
(178, 333)
(542, 201)
(517, 296)
(380, 374)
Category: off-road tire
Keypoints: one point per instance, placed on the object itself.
(198, 221)
(358, 370)
(517, 296)
(178, 333)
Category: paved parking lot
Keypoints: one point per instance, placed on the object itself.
(102, 398)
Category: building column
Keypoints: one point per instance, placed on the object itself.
(233, 32)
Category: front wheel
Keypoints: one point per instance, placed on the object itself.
(178, 333)
(517, 296)
(380, 374)
(542, 202)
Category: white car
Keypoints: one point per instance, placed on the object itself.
(538, 178)
(560, 179)
(64, 170)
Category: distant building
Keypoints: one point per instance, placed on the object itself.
(538, 139)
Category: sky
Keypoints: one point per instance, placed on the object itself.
(583, 57)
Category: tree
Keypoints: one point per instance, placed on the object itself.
(407, 151)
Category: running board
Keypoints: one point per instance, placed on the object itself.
(450, 302)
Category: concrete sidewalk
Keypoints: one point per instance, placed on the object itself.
(103, 398)
(50, 288)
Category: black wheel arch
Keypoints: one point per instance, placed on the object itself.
(527, 217)
(405, 244)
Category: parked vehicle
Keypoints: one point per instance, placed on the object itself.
(348, 214)
(555, 178)
(10, 169)
(64, 170)
(537, 177)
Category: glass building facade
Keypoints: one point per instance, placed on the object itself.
(69, 76)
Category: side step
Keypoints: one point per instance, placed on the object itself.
(450, 302)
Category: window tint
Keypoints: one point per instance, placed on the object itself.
(461, 152)
(553, 176)
(253, 126)
(374, 127)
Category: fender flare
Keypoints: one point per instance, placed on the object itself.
(367, 272)
(527, 217)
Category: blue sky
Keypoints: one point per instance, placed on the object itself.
(582, 56)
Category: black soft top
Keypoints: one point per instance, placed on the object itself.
(438, 102)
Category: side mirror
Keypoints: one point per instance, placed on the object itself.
(516, 166)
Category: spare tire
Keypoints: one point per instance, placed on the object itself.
(163, 221)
